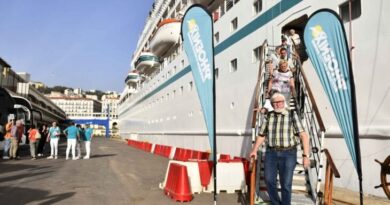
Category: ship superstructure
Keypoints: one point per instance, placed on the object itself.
(160, 103)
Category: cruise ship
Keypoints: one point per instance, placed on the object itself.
(160, 104)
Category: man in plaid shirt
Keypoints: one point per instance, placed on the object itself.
(279, 130)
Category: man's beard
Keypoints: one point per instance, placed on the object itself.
(279, 110)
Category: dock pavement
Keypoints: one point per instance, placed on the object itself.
(115, 174)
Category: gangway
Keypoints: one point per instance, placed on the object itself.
(306, 183)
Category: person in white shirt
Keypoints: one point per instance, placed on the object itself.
(295, 38)
(54, 136)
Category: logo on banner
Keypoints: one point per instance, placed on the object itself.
(197, 46)
(321, 45)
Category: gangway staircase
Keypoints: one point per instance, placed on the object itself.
(306, 183)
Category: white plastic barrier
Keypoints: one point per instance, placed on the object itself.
(172, 154)
(153, 147)
(193, 175)
(230, 178)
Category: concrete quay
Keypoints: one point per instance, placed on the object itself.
(115, 174)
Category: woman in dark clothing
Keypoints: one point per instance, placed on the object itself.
(42, 141)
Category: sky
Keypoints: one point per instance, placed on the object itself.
(84, 44)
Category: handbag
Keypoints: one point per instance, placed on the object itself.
(38, 135)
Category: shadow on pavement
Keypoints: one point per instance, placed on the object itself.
(12, 195)
(102, 155)
(7, 167)
(22, 176)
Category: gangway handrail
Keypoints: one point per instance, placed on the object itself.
(309, 92)
(256, 105)
(318, 135)
(258, 84)
(314, 103)
(331, 171)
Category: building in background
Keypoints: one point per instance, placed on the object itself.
(77, 107)
(25, 76)
(37, 85)
(93, 97)
(110, 104)
(81, 108)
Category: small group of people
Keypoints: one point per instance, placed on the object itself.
(281, 67)
(75, 135)
(12, 134)
(13, 131)
(281, 129)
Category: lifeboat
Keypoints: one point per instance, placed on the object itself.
(165, 40)
(132, 79)
(147, 63)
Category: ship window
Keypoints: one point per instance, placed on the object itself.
(174, 70)
(234, 24)
(181, 90)
(356, 10)
(182, 63)
(233, 65)
(216, 36)
(216, 73)
(257, 6)
(232, 105)
(229, 5)
(222, 10)
(165, 15)
(256, 55)
(190, 85)
(173, 93)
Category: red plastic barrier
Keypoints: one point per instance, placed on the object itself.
(157, 149)
(205, 155)
(178, 154)
(195, 154)
(224, 157)
(205, 170)
(167, 151)
(187, 154)
(177, 186)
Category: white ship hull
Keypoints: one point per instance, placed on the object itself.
(166, 109)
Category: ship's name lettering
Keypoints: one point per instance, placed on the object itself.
(321, 44)
(201, 56)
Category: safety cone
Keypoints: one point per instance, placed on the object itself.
(178, 186)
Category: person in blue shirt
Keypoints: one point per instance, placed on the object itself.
(88, 135)
(72, 133)
(53, 136)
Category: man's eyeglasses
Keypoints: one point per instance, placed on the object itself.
(280, 101)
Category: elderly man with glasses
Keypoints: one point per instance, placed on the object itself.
(279, 130)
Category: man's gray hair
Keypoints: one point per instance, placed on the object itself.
(276, 95)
